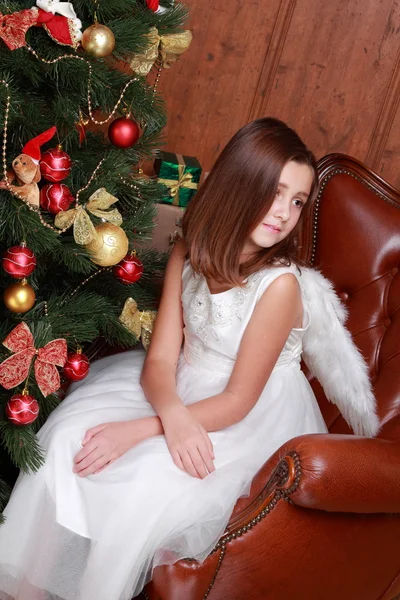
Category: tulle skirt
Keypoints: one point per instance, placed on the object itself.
(100, 537)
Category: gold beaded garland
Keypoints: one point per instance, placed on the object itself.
(157, 80)
(85, 281)
(89, 97)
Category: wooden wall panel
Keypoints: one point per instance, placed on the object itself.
(389, 166)
(329, 69)
(335, 72)
(386, 116)
(210, 91)
(385, 147)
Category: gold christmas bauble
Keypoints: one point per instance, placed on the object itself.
(98, 40)
(109, 246)
(19, 297)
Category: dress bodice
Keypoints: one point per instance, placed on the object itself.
(215, 323)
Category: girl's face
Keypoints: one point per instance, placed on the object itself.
(294, 188)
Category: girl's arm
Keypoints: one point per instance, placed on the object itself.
(106, 442)
(158, 378)
(277, 312)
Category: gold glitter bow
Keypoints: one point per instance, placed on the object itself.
(138, 322)
(170, 47)
(84, 231)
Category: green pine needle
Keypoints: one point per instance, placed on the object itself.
(22, 446)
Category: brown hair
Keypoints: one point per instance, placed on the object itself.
(236, 195)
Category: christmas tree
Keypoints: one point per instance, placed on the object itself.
(79, 116)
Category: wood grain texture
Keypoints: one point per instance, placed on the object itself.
(272, 58)
(389, 166)
(334, 73)
(386, 116)
(331, 70)
(209, 93)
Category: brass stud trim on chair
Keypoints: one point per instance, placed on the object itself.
(221, 558)
(281, 475)
(323, 183)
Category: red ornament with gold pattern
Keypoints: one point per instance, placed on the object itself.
(77, 366)
(22, 409)
(55, 197)
(19, 261)
(129, 270)
(55, 164)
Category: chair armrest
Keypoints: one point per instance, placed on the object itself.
(345, 473)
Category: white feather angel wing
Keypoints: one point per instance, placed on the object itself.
(333, 357)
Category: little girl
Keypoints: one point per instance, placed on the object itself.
(146, 458)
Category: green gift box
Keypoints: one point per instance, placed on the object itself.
(181, 174)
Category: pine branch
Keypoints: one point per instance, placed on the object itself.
(47, 405)
(22, 445)
(18, 223)
(75, 257)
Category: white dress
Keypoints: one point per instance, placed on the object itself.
(98, 538)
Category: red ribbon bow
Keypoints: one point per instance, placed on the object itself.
(15, 369)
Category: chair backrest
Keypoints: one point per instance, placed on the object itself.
(353, 237)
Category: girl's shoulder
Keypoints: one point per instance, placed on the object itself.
(266, 276)
(255, 284)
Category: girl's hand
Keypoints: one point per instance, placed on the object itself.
(102, 445)
(190, 446)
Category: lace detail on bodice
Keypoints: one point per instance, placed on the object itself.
(215, 323)
(209, 311)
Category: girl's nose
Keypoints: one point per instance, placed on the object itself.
(282, 214)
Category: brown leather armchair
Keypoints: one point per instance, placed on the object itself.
(323, 518)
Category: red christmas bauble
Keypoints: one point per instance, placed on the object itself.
(55, 164)
(22, 409)
(19, 261)
(129, 270)
(76, 367)
(55, 197)
(123, 132)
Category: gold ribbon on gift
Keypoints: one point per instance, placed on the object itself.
(84, 230)
(184, 180)
(169, 46)
(140, 323)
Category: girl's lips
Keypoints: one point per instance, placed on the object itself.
(272, 228)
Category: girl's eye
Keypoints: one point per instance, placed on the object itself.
(298, 203)
(278, 191)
